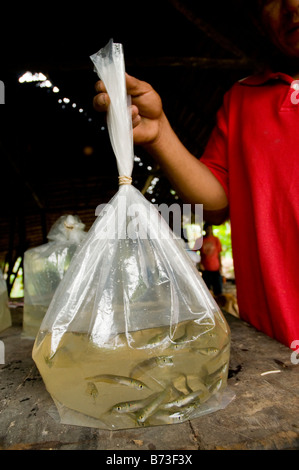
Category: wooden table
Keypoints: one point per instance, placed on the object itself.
(263, 415)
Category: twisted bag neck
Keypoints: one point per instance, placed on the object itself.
(110, 67)
(124, 180)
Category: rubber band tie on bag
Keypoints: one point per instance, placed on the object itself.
(124, 180)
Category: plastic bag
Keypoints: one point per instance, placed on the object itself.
(5, 315)
(132, 336)
(45, 266)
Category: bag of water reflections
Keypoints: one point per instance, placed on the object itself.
(45, 266)
(132, 336)
(5, 316)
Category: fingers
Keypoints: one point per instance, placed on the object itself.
(100, 87)
(145, 101)
(136, 118)
(101, 100)
(136, 87)
(144, 97)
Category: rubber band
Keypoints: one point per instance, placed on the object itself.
(124, 180)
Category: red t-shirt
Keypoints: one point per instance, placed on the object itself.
(254, 152)
(209, 252)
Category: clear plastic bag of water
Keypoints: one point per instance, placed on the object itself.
(132, 337)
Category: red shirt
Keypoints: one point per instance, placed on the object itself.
(254, 152)
(209, 252)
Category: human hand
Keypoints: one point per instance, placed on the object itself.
(147, 111)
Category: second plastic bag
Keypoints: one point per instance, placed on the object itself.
(45, 266)
(5, 315)
(132, 336)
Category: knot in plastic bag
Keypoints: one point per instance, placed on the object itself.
(68, 228)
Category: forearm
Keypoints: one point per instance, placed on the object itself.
(193, 181)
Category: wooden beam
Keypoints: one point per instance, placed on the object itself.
(191, 62)
(146, 62)
(207, 29)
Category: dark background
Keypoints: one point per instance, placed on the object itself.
(55, 160)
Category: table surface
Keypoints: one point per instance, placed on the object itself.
(264, 414)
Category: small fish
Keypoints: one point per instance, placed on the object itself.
(207, 330)
(215, 386)
(118, 379)
(149, 409)
(186, 383)
(177, 382)
(150, 363)
(159, 338)
(169, 418)
(51, 357)
(132, 406)
(180, 342)
(206, 351)
(217, 374)
(183, 400)
(48, 361)
(172, 417)
(62, 351)
(92, 390)
(204, 327)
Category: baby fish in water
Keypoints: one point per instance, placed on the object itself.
(206, 351)
(180, 342)
(181, 381)
(118, 379)
(169, 418)
(215, 386)
(92, 390)
(217, 374)
(131, 406)
(153, 405)
(183, 400)
(159, 338)
(150, 363)
(172, 417)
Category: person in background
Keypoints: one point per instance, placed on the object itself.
(249, 171)
(210, 261)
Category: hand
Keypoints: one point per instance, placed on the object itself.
(147, 111)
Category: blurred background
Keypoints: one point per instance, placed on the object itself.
(56, 156)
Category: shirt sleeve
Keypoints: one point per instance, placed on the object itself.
(215, 154)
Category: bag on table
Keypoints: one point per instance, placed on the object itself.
(132, 336)
(45, 266)
(5, 315)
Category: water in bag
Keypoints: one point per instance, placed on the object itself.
(132, 336)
